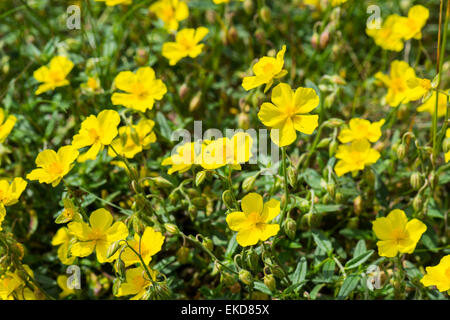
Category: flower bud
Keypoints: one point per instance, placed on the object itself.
(260, 35)
(161, 182)
(195, 102)
(246, 277)
(208, 244)
(159, 291)
(227, 198)
(325, 142)
(192, 210)
(331, 188)
(353, 223)
(249, 6)
(418, 202)
(120, 269)
(292, 176)
(173, 198)
(358, 205)
(304, 205)
(290, 228)
(248, 183)
(183, 255)
(270, 282)
(315, 40)
(232, 35)
(415, 180)
(171, 228)
(332, 148)
(277, 271)
(252, 260)
(200, 177)
(183, 91)
(264, 13)
(401, 151)
(324, 38)
(227, 279)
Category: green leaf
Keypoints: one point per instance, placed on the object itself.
(300, 271)
(313, 179)
(360, 248)
(260, 286)
(165, 130)
(348, 286)
(356, 261)
(328, 269)
(322, 241)
(315, 291)
(320, 208)
(232, 245)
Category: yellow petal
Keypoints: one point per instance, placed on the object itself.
(271, 210)
(101, 219)
(268, 230)
(252, 202)
(306, 100)
(248, 237)
(306, 123)
(237, 221)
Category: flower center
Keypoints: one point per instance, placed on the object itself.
(398, 85)
(268, 67)
(93, 133)
(55, 169)
(56, 76)
(97, 235)
(140, 91)
(447, 273)
(399, 235)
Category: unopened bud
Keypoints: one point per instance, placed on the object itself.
(248, 6)
(232, 35)
(253, 260)
(324, 38)
(331, 188)
(401, 151)
(332, 148)
(304, 205)
(183, 91)
(358, 205)
(264, 13)
(277, 271)
(270, 282)
(120, 269)
(208, 244)
(112, 249)
(246, 277)
(415, 180)
(200, 177)
(290, 228)
(199, 202)
(315, 40)
(418, 202)
(325, 142)
(183, 255)
(171, 228)
(195, 102)
(161, 182)
(227, 198)
(248, 184)
(292, 176)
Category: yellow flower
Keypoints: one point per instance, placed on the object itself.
(252, 224)
(12, 286)
(6, 126)
(9, 194)
(397, 82)
(439, 275)
(289, 113)
(335, 3)
(430, 104)
(223, 151)
(170, 12)
(115, 2)
(53, 166)
(265, 70)
(411, 26)
(223, 1)
(134, 139)
(54, 75)
(185, 156)
(97, 132)
(64, 239)
(69, 213)
(97, 236)
(92, 85)
(142, 89)
(355, 157)
(148, 245)
(419, 85)
(388, 37)
(62, 283)
(136, 283)
(397, 234)
(447, 155)
(360, 129)
(186, 44)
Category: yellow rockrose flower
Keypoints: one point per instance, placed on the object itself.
(111, 3)
(96, 132)
(252, 224)
(142, 89)
(335, 3)
(53, 166)
(223, 151)
(64, 239)
(397, 82)
(288, 113)
(360, 129)
(54, 75)
(136, 283)
(388, 37)
(148, 245)
(62, 283)
(92, 85)
(430, 104)
(6, 126)
(447, 155)
(186, 44)
(97, 235)
(69, 213)
(9, 194)
(266, 70)
(171, 12)
(133, 140)
(438, 275)
(12, 286)
(223, 1)
(397, 234)
(410, 27)
(355, 157)
(185, 157)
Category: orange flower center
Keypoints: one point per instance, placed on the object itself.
(399, 235)
(268, 67)
(398, 85)
(140, 91)
(93, 133)
(97, 235)
(447, 272)
(56, 76)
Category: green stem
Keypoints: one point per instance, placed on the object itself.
(285, 183)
